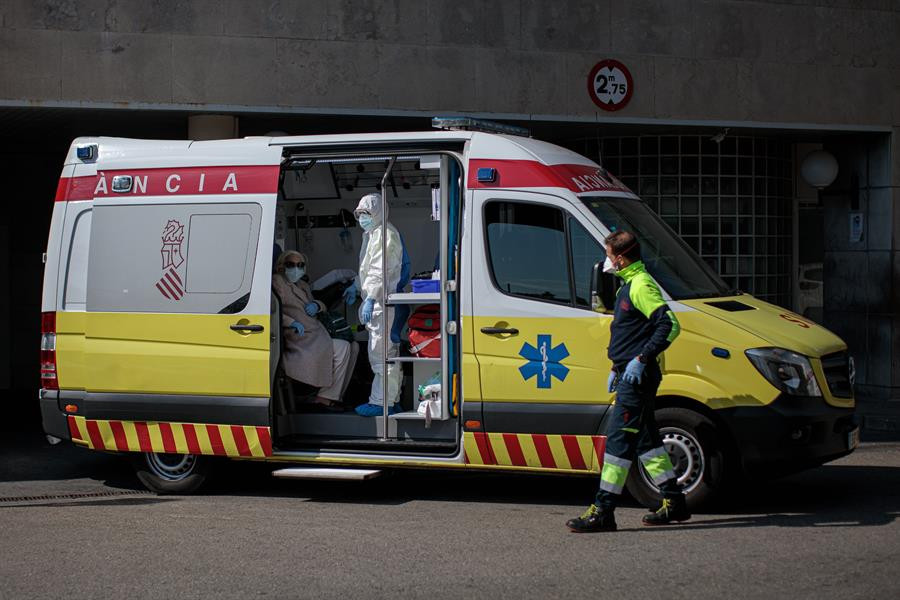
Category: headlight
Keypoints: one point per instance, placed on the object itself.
(788, 371)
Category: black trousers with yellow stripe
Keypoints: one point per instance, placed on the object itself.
(632, 432)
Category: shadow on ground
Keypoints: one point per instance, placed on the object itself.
(832, 495)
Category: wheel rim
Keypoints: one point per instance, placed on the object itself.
(171, 467)
(686, 455)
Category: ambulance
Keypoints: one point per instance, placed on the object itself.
(161, 334)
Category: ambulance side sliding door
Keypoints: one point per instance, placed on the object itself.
(178, 309)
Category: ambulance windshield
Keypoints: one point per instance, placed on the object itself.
(671, 262)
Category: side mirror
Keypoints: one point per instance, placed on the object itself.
(603, 289)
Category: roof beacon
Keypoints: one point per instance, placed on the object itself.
(470, 124)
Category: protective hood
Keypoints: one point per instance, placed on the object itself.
(370, 203)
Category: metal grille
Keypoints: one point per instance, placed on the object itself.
(730, 201)
(837, 374)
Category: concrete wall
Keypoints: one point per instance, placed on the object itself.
(691, 59)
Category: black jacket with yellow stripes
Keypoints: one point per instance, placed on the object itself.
(642, 322)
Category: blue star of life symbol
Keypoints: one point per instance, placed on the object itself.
(544, 361)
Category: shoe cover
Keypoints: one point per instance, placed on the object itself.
(374, 410)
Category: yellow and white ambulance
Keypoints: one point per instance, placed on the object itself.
(162, 336)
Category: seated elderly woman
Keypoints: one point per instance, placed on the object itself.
(309, 354)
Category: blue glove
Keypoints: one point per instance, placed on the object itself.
(311, 308)
(298, 327)
(367, 310)
(611, 382)
(350, 293)
(634, 370)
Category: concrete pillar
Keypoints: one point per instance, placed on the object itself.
(212, 127)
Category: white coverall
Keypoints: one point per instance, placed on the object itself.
(372, 279)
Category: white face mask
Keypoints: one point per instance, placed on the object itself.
(294, 274)
(609, 267)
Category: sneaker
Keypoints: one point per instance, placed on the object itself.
(672, 509)
(375, 410)
(593, 519)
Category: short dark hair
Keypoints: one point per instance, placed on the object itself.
(624, 243)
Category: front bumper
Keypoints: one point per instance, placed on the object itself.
(790, 434)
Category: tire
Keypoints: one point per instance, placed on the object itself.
(171, 473)
(698, 454)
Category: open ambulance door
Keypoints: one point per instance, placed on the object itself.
(177, 345)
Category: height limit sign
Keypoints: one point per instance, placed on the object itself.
(610, 85)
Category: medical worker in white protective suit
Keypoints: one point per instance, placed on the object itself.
(378, 319)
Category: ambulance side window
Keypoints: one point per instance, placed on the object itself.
(77, 263)
(527, 250)
(214, 267)
(586, 251)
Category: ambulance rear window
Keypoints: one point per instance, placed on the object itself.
(77, 264)
(178, 258)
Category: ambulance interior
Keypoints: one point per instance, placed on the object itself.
(315, 216)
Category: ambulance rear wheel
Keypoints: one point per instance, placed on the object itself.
(165, 473)
(698, 456)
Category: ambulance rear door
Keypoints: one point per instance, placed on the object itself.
(178, 301)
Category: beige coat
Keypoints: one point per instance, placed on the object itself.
(307, 358)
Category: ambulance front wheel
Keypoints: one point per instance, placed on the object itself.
(698, 455)
(171, 473)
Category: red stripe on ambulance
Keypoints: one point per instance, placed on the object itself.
(75, 188)
(534, 451)
(119, 435)
(532, 174)
(246, 441)
(73, 429)
(543, 451)
(256, 179)
(168, 438)
(190, 436)
(484, 448)
(265, 440)
(94, 433)
(250, 179)
(215, 439)
(573, 452)
(143, 433)
(240, 440)
(514, 449)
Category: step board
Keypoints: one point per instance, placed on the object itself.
(326, 473)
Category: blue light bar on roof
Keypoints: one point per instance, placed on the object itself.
(470, 124)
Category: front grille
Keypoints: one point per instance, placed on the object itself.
(837, 374)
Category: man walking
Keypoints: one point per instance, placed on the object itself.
(642, 327)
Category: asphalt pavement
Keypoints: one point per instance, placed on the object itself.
(77, 524)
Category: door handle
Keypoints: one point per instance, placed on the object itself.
(496, 330)
(247, 328)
